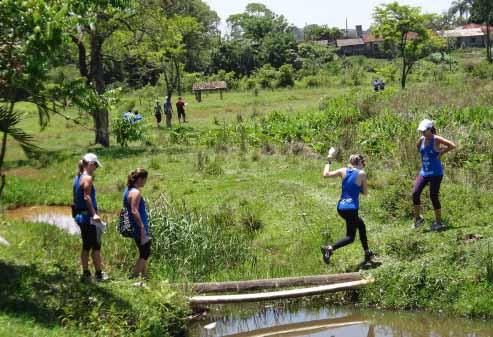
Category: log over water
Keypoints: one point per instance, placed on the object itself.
(245, 286)
(293, 293)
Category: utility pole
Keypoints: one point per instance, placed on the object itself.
(347, 30)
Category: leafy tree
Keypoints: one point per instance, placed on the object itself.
(314, 57)
(482, 12)
(321, 32)
(96, 21)
(461, 7)
(404, 31)
(31, 34)
(159, 40)
(271, 37)
(237, 55)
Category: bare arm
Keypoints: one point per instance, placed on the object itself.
(86, 185)
(364, 183)
(134, 200)
(445, 145)
(330, 174)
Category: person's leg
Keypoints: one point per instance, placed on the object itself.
(140, 265)
(435, 183)
(419, 185)
(351, 225)
(86, 247)
(362, 234)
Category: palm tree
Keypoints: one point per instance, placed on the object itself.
(9, 119)
(462, 7)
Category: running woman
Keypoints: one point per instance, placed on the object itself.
(353, 183)
(86, 215)
(431, 147)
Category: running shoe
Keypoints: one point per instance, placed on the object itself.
(418, 222)
(437, 226)
(327, 252)
(369, 256)
(101, 276)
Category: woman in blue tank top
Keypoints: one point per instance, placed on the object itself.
(86, 215)
(136, 207)
(431, 148)
(353, 183)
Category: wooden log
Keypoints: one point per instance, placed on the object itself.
(276, 295)
(245, 286)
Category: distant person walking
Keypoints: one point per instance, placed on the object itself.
(353, 183)
(86, 215)
(168, 111)
(136, 208)
(180, 108)
(431, 147)
(158, 113)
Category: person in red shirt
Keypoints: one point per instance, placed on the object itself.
(180, 108)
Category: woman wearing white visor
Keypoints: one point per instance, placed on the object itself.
(431, 147)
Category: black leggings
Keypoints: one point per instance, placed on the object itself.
(89, 237)
(144, 250)
(419, 185)
(353, 223)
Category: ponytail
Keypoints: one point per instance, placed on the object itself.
(433, 130)
(80, 167)
(136, 175)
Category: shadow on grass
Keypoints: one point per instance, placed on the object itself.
(50, 298)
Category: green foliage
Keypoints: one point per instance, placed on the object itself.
(127, 131)
(193, 245)
(286, 76)
(404, 31)
(483, 70)
(267, 77)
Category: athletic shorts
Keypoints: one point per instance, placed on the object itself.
(144, 250)
(89, 237)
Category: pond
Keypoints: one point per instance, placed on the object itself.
(288, 320)
(59, 216)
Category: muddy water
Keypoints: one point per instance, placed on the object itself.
(253, 321)
(59, 216)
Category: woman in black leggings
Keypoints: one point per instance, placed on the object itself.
(353, 183)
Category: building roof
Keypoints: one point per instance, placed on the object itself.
(371, 39)
(217, 85)
(350, 42)
(321, 42)
(463, 32)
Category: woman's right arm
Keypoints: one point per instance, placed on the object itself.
(330, 174)
(86, 185)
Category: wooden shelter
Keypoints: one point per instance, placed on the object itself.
(198, 88)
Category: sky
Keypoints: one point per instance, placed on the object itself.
(330, 12)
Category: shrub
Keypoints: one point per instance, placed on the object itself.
(125, 131)
(483, 70)
(286, 76)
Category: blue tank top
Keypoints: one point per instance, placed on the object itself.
(431, 164)
(80, 204)
(350, 191)
(142, 213)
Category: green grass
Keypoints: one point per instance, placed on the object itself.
(283, 194)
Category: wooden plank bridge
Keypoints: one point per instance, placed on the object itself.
(310, 285)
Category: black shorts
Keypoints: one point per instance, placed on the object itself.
(144, 250)
(89, 237)
(158, 117)
(181, 113)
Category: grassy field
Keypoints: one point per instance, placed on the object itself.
(243, 202)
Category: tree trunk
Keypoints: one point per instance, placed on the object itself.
(404, 76)
(100, 116)
(2, 153)
(489, 56)
(82, 57)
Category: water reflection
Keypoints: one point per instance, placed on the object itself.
(59, 216)
(283, 320)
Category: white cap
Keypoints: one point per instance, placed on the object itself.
(91, 158)
(425, 124)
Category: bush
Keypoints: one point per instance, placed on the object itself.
(267, 76)
(286, 76)
(483, 70)
(125, 131)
